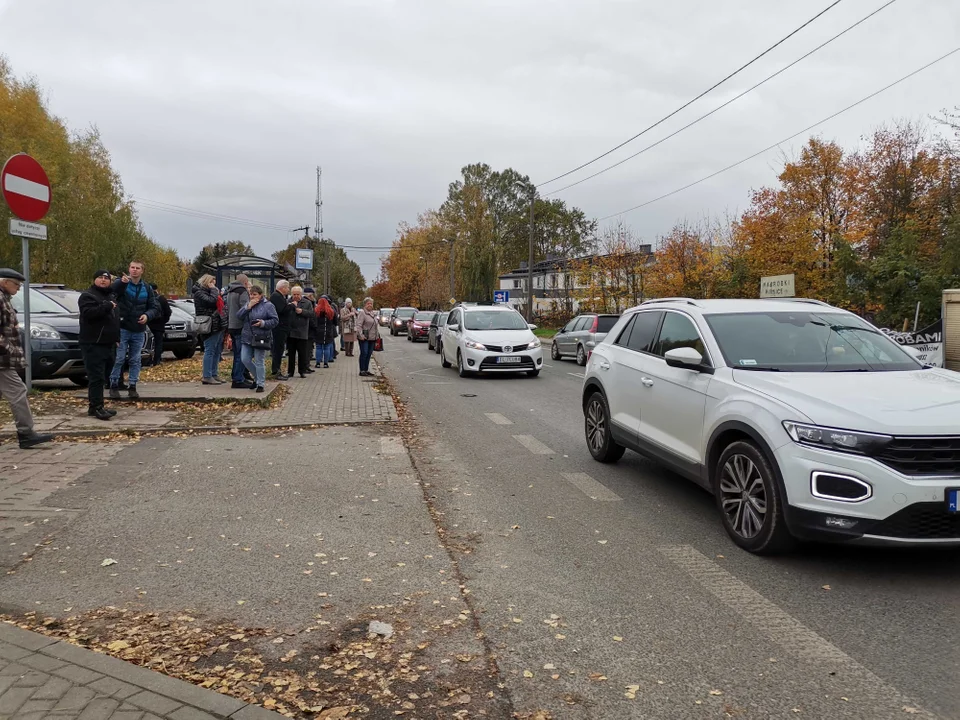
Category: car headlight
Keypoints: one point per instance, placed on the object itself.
(398, 322)
(835, 439)
(534, 345)
(473, 345)
(39, 331)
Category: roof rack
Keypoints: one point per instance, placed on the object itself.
(688, 301)
(801, 300)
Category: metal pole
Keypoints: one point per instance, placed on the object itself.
(916, 318)
(27, 345)
(326, 267)
(453, 279)
(530, 262)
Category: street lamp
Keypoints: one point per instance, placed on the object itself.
(533, 195)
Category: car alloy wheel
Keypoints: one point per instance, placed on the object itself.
(581, 356)
(554, 352)
(461, 368)
(749, 500)
(597, 429)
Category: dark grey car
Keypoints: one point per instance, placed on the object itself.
(579, 336)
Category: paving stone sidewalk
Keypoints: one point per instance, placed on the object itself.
(41, 677)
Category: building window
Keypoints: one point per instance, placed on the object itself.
(517, 284)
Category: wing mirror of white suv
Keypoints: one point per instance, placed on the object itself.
(531, 326)
(453, 328)
(684, 357)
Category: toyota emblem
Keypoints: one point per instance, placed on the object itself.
(508, 348)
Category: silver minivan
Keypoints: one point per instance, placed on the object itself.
(579, 336)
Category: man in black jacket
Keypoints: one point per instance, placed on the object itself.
(99, 335)
(138, 305)
(158, 326)
(281, 332)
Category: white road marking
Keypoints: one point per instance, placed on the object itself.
(590, 487)
(29, 188)
(533, 445)
(438, 383)
(795, 638)
(424, 370)
(577, 375)
(498, 419)
(391, 446)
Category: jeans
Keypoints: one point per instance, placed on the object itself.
(366, 352)
(212, 346)
(255, 361)
(131, 344)
(98, 360)
(325, 352)
(236, 374)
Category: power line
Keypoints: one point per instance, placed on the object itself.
(203, 214)
(787, 139)
(720, 107)
(690, 102)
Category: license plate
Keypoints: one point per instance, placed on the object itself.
(953, 500)
(506, 360)
(176, 335)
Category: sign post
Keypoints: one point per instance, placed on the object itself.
(26, 190)
(777, 286)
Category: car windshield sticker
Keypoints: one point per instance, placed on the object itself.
(748, 362)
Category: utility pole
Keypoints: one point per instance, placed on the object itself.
(453, 279)
(318, 230)
(533, 195)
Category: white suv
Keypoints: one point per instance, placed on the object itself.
(803, 420)
(490, 339)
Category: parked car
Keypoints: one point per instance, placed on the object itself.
(436, 327)
(54, 338)
(185, 304)
(490, 339)
(70, 299)
(418, 327)
(803, 420)
(180, 334)
(580, 336)
(384, 316)
(398, 320)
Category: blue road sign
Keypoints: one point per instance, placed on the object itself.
(501, 296)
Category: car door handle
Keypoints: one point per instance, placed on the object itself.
(646, 382)
(604, 365)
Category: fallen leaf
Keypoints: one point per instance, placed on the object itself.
(597, 677)
(618, 638)
(716, 692)
(825, 587)
(527, 674)
(602, 542)
(107, 562)
(910, 710)
(118, 645)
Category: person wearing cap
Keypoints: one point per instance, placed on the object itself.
(138, 305)
(12, 359)
(99, 335)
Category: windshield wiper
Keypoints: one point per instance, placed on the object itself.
(761, 368)
(839, 328)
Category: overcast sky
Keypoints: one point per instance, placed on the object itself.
(228, 107)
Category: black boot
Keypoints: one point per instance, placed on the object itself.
(100, 413)
(108, 411)
(114, 392)
(132, 392)
(32, 439)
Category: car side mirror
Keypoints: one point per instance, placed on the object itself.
(453, 327)
(531, 326)
(684, 357)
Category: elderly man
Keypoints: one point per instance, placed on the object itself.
(238, 295)
(13, 359)
(285, 308)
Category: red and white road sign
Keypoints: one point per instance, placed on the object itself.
(25, 187)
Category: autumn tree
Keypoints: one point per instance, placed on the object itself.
(685, 263)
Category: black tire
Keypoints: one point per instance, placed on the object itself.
(554, 352)
(80, 381)
(443, 358)
(409, 337)
(599, 432)
(429, 343)
(532, 373)
(184, 354)
(581, 356)
(461, 367)
(748, 497)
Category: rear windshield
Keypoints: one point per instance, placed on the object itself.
(386, 311)
(424, 316)
(406, 313)
(806, 342)
(606, 322)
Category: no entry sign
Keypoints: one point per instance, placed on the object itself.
(25, 187)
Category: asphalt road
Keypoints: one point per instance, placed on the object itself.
(592, 579)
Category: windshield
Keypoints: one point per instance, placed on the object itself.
(493, 320)
(806, 342)
(406, 313)
(442, 320)
(424, 316)
(39, 303)
(70, 299)
(386, 312)
(606, 322)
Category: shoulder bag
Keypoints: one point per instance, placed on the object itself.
(204, 324)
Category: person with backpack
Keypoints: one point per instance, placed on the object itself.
(137, 304)
(158, 326)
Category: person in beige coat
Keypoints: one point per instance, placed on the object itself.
(348, 322)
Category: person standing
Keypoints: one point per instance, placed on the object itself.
(298, 344)
(99, 335)
(158, 326)
(368, 332)
(348, 322)
(259, 318)
(325, 332)
(238, 295)
(310, 294)
(211, 315)
(281, 331)
(12, 359)
(138, 305)
(336, 326)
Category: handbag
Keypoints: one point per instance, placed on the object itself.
(261, 343)
(204, 324)
(378, 344)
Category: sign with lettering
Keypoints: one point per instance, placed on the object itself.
(777, 286)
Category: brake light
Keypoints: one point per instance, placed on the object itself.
(596, 324)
